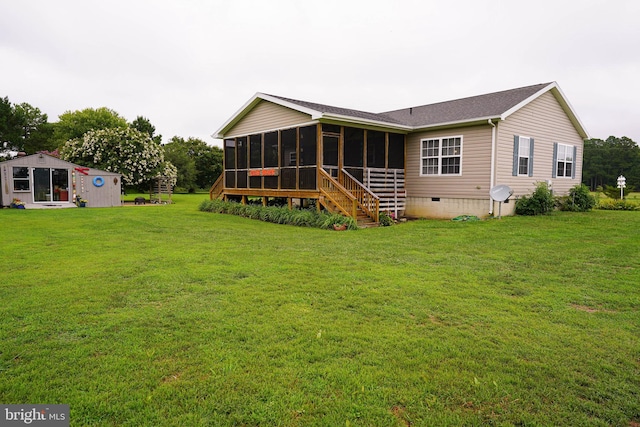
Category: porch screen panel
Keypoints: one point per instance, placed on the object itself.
(288, 158)
(255, 159)
(330, 128)
(354, 152)
(271, 150)
(353, 147)
(270, 159)
(229, 153)
(242, 148)
(308, 146)
(230, 179)
(375, 149)
(307, 177)
(396, 151)
(241, 152)
(255, 151)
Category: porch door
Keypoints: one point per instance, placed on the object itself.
(330, 153)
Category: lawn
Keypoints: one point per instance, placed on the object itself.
(164, 315)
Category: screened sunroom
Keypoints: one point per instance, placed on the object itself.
(354, 170)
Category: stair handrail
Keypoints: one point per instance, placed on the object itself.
(217, 188)
(367, 200)
(346, 202)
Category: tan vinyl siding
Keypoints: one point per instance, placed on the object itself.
(544, 121)
(476, 166)
(267, 116)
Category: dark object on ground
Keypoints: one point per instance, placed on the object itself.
(139, 201)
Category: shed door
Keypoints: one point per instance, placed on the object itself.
(50, 185)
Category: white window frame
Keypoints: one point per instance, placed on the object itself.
(567, 150)
(524, 142)
(428, 153)
(27, 179)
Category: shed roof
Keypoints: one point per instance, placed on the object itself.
(491, 106)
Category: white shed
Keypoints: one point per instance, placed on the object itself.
(43, 181)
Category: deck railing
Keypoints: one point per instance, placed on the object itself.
(339, 196)
(217, 188)
(368, 202)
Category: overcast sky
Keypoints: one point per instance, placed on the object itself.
(189, 65)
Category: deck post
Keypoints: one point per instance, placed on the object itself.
(264, 201)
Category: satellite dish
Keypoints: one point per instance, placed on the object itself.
(500, 193)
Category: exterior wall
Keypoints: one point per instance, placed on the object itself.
(105, 196)
(543, 120)
(267, 116)
(475, 166)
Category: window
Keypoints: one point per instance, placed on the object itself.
(441, 156)
(522, 156)
(563, 160)
(21, 179)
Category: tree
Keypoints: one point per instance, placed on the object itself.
(124, 150)
(144, 125)
(605, 160)
(72, 125)
(10, 127)
(23, 128)
(37, 132)
(199, 164)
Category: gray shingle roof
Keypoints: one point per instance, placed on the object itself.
(488, 105)
(341, 111)
(459, 110)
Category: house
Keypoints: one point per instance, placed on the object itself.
(435, 161)
(43, 181)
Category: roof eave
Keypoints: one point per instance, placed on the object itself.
(467, 122)
(257, 98)
(366, 122)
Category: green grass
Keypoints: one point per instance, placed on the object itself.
(164, 315)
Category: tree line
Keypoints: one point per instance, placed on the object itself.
(605, 160)
(103, 139)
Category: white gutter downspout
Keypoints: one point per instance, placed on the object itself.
(493, 164)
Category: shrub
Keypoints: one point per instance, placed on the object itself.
(614, 192)
(578, 200)
(539, 203)
(385, 219)
(618, 205)
(279, 214)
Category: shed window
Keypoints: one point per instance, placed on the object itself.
(441, 156)
(21, 179)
